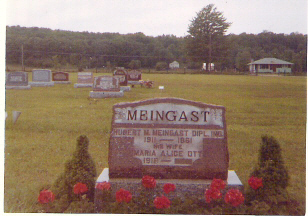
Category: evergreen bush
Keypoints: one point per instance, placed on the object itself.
(274, 175)
(80, 169)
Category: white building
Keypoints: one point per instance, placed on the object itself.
(174, 65)
(270, 65)
(211, 67)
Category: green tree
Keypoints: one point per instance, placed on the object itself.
(134, 64)
(242, 59)
(206, 34)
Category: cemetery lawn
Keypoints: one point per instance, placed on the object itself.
(44, 137)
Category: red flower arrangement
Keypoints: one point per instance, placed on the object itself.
(212, 193)
(46, 196)
(103, 186)
(123, 196)
(234, 197)
(218, 184)
(255, 182)
(162, 202)
(80, 188)
(168, 187)
(148, 181)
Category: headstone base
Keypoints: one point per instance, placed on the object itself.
(83, 85)
(18, 87)
(133, 82)
(43, 84)
(62, 82)
(106, 94)
(125, 88)
(184, 187)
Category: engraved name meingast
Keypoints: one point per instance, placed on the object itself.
(170, 114)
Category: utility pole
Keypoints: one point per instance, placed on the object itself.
(210, 52)
(22, 58)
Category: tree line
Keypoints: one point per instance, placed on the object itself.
(45, 48)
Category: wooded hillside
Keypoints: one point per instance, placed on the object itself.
(45, 48)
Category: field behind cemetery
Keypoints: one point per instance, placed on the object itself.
(44, 137)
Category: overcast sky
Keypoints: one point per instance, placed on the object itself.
(156, 17)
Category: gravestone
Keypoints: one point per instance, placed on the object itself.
(133, 77)
(121, 74)
(41, 77)
(174, 140)
(17, 80)
(105, 87)
(85, 80)
(60, 78)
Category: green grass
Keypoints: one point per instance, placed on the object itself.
(52, 118)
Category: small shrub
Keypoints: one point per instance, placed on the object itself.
(161, 66)
(271, 170)
(80, 170)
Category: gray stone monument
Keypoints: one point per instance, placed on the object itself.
(174, 140)
(41, 77)
(85, 80)
(106, 87)
(17, 80)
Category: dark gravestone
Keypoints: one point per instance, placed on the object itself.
(17, 80)
(168, 138)
(121, 74)
(85, 79)
(41, 77)
(174, 140)
(133, 77)
(106, 86)
(60, 78)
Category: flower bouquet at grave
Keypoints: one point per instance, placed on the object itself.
(152, 199)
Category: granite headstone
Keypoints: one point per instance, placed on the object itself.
(121, 74)
(60, 78)
(106, 86)
(17, 80)
(174, 140)
(85, 79)
(41, 77)
(168, 138)
(133, 77)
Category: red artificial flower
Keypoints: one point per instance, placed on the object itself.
(80, 188)
(255, 182)
(218, 184)
(103, 186)
(212, 193)
(162, 202)
(148, 181)
(234, 197)
(169, 187)
(123, 196)
(46, 196)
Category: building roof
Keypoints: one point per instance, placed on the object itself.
(270, 61)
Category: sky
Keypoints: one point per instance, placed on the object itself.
(156, 17)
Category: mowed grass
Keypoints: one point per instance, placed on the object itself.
(44, 137)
